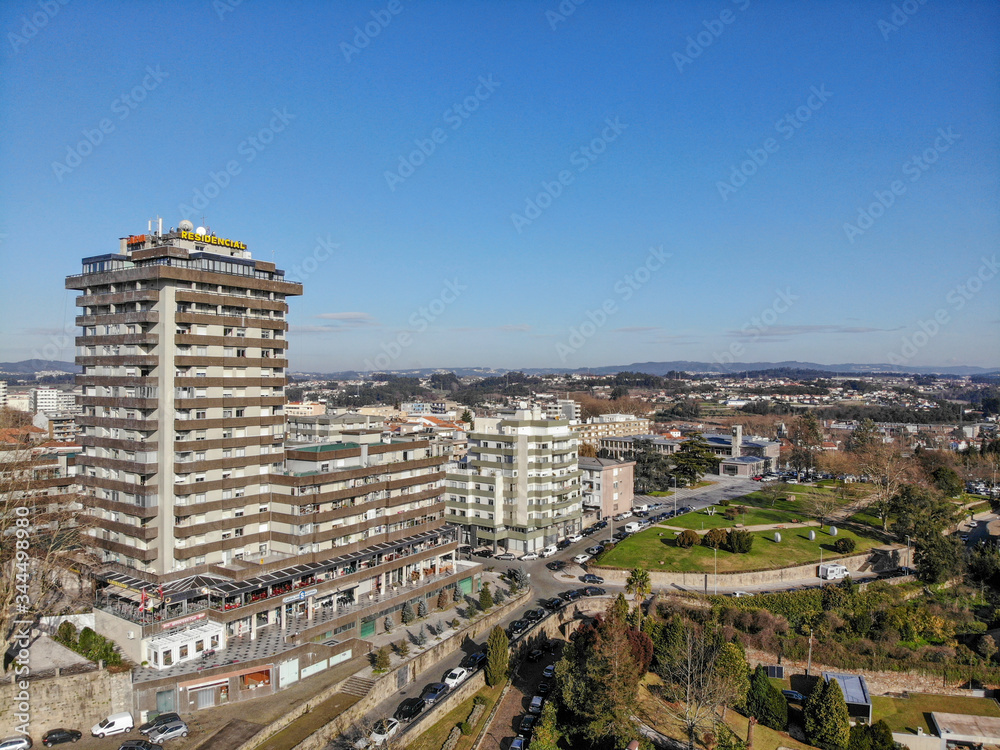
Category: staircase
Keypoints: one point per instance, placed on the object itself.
(359, 686)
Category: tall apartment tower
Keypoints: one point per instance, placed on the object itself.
(183, 357)
(519, 486)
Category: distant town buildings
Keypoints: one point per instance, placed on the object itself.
(594, 430)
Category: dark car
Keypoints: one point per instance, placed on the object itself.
(574, 595)
(518, 626)
(410, 708)
(554, 603)
(567, 595)
(58, 736)
(601, 525)
(157, 721)
(536, 655)
(556, 565)
(139, 745)
(474, 661)
(594, 591)
(564, 544)
(591, 578)
(433, 692)
(527, 724)
(534, 615)
(483, 553)
(793, 695)
(543, 688)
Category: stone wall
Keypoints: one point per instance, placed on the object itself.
(387, 684)
(879, 559)
(879, 683)
(86, 698)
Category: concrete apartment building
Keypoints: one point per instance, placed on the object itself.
(607, 485)
(3, 392)
(52, 400)
(210, 531)
(563, 408)
(594, 430)
(327, 427)
(519, 485)
(304, 408)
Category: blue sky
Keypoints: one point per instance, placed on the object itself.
(624, 183)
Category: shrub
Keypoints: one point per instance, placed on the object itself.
(714, 539)
(479, 700)
(723, 503)
(66, 634)
(456, 595)
(730, 514)
(382, 659)
(485, 598)
(87, 639)
(499, 597)
(387, 623)
(402, 647)
(844, 545)
(465, 727)
(422, 637)
(687, 539)
(444, 599)
(739, 541)
(407, 615)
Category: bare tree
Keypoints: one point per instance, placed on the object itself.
(40, 531)
(887, 471)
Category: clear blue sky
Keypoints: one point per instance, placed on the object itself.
(757, 268)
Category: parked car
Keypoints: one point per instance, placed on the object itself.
(506, 556)
(794, 695)
(384, 730)
(543, 688)
(529, 556)
(563, 544)
(483, 553)
(534, 615)
(553, 603)
(741, 594)
(518, 626)
(536, 655)
(114, 724)
(18, 742)
(139, 745)
(527, 724)
(474, 661)
(535, 707)
(595, 550)
(574, 538)
(581, 559)
(556, 565)
(591, 578)
(518, 743)
(601, 525)
(456, 677)
(169, 731)
(59, 736)
(433, 692)
(157, 721)
(409, 708)
(594, 591)
(549, 672)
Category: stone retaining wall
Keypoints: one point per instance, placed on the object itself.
(881, 558)
(53, 701)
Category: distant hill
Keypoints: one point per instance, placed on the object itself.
(804, 369)
(31, 366)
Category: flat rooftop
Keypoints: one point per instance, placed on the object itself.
(967, 727)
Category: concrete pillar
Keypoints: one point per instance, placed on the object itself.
(281, 615)
(253, 627)
(310, 607)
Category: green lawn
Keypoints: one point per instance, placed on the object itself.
(906, 714)
(654, 549)
(661, 493)
(754, 516)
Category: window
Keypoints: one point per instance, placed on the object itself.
(241, 352)
(182, 651)
(240, 412)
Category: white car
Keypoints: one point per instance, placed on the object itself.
(383, 731)
(581, 559)
(529, 556)
(741, 594)
(456, 677)
(575, 538)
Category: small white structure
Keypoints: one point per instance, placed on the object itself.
(178, 646)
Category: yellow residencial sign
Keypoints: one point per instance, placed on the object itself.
(212, 240)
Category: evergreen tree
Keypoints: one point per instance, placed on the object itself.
(456, 594)
(407, 615)
(765, 701)
(382, 659)
(387, 623)
(733, 670)
(828, 724)
(485, 598)
(497, 656)
(444, 599)
(422, 609)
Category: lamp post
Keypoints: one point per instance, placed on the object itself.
(715, 550)
(674, 480)
(907, 553)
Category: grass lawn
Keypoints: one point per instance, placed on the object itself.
(906, 714)
(754, 516)
(654, 549)
(436, 735)
(661, 493)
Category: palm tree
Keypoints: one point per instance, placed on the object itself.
(638, 585)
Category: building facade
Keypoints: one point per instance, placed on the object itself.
(611, 425)
(519, 485)
(608, 485)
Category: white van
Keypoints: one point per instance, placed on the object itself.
(632, 527)
(640, 508)
(549, 551)
(114, 724)
(832, 572)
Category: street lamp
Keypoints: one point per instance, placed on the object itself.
(674, 480)
(716, 556)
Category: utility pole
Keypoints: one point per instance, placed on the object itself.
(810, 662)
(715, 550)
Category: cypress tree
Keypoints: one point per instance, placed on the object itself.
(828, 725)
(765, 701)
(497, 656)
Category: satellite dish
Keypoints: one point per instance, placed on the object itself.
(185, 226)
(200, 230)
